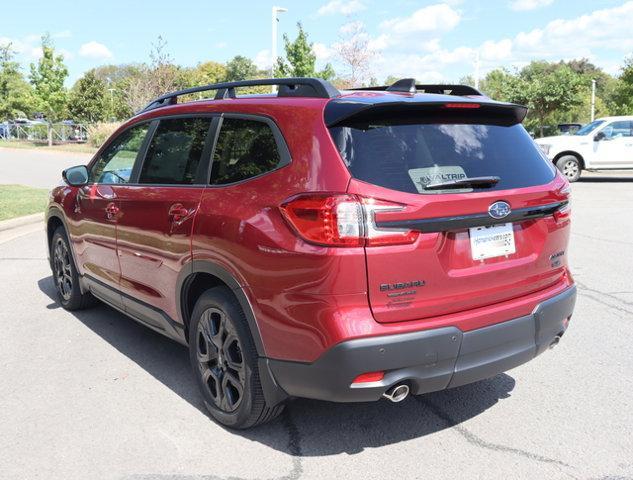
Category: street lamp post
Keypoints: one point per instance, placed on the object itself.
(593, 100)
(273, 53)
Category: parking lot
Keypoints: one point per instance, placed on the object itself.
(92, 394)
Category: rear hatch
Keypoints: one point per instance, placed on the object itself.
(444, 171)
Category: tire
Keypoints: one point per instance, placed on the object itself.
(224, 362)
(65, 274)
(570, 166)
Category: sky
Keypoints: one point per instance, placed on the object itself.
(433, 41)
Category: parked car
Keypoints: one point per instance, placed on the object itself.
(604, 144)
(342, 246)
(569, 128)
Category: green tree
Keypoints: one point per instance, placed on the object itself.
(621, 94)
(500, 84)
(208, 72)
(16, 96)
(547, 89)
(240, 68)
(300, 59)
(87, 100)
(47, 77)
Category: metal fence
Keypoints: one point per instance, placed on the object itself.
(38, 132)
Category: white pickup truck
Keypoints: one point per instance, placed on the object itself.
(604, 144)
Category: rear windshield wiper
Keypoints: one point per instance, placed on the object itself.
(464, 182)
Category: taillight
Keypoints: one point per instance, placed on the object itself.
(333, 220)
(564, 212)
(341, 220)
(384, 236)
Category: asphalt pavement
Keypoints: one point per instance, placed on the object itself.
(93, 395)
(37, 168)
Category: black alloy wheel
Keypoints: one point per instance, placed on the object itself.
(220, 360)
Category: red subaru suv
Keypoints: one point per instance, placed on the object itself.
(335, 245)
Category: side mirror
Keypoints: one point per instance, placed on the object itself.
(76, 176)
(599, 136)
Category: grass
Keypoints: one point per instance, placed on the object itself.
(65, 147)
(18, 200)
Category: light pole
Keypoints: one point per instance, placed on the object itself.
(273, 52)
(593, 100)
(477, 66)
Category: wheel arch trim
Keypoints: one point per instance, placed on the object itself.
(57, 213)
(273, 392)
(189, 272)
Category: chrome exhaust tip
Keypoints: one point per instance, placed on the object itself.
(397, 394)
(554, 342)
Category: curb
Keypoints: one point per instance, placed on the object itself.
(21, 221)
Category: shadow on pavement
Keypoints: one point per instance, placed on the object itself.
(599, 179)
(314, 428)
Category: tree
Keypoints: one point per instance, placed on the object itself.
(240, 68)
(354, 51)
(16, 96)
(621, 94)
(47, 78)
(547, 88)
(150, 81)
(300, 59)
(87, 101)
(501, 85)
(206, 73)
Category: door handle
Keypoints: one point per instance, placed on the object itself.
(111, 211)
(178, 213)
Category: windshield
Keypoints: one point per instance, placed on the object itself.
(409, 157)
(590, 127)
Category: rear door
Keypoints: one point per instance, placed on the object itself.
(463, 258)
(157, 215)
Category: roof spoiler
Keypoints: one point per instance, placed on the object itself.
(416, 110)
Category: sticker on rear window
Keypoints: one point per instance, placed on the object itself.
(422, 177)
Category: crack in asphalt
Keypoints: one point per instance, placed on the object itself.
(587, 292)
(479, 442)
(294, 449)
(599, 239)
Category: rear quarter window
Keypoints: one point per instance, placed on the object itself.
(407, 157)
(245, 149)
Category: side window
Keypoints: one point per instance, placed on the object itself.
(618, 129)
(245, 149)
(175, 151)
(116, 162)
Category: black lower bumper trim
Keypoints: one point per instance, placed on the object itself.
(427, 360)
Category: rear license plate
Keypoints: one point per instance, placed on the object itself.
(493, 241)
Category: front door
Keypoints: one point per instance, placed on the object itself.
(97, 211)
(614, 149)
(157, 215)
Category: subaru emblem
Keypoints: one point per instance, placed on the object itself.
(499, 210)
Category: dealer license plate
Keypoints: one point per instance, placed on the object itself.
(492, 241)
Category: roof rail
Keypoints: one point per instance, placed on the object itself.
(408, 85)
(289, 87)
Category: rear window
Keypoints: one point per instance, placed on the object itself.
(408, 157)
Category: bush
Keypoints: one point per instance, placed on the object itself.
(100, 132)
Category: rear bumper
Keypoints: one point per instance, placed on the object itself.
(428, 360)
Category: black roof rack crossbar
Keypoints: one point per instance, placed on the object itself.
(289, 87)
(408, 85)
